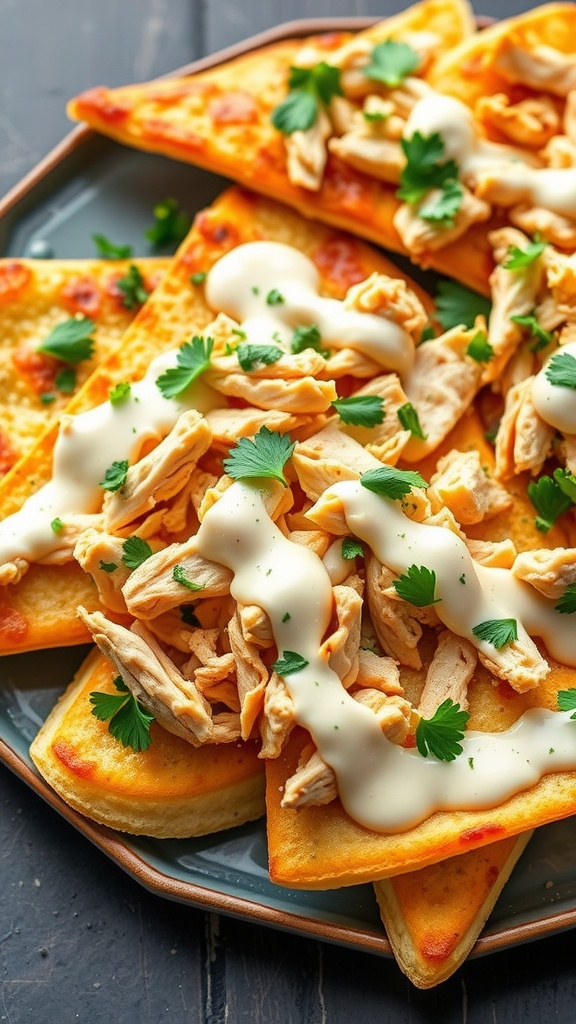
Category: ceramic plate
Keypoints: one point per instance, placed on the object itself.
(87, 185)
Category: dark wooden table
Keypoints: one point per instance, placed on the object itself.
(79, 940)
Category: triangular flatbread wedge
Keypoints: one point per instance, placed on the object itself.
(434, 916)
(170, 790)
(220, 119)
(35, 297)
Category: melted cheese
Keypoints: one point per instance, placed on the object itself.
(556, 404)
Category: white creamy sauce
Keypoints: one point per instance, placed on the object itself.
(87, 445)
(518, 179)
(240, 283)
(382, 785)
(555, 403)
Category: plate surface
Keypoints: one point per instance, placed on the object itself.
(92, 185)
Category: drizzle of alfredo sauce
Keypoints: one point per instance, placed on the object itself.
(383, 786)
(86, 446)
(511, 171)
(555, 403)
(271, 289)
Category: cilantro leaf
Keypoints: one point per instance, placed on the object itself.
(288, 663)
(561, 370)
(566, 482)
(352, 548)
(549, 500)
(274, 298)
(543, 338)
(107, 566)
(70, 341)
(129, 721)
(132, 285)
(567, 603)
(390, 482)
(119, 392)
(519, 258)
(497, 632)
(136, 551)
(188, 617)
(66, 380)
(179, 575)
(309, 89)
(250, 355)
(306, 337)
(391, 63)
(171, 224)
(424, 171)
(567, 700)
(417, 586)
(441, 209)
(115, 476)
(480, 348)
(193, 359)
(109, 251)
(360, 410)
(409, 419)
(265, 456)
(442, 734)
(457, 305)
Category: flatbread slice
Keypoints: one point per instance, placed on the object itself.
(170, 790)
(35, 297)
(221, 120)
(30, 618)
(433, 916)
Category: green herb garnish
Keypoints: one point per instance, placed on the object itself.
(107, 566)
(424, 171)
(417, 586)
(193, 359)
(115, 476)
(129, 721)
(265, 456)
(561, 370)
(250, 356)
(352, 548)
(65, 380)
(542, 337)
(310, 89)
(517, 258)
(179, 575)
(458, 306)
(289, 662)
(171, 224)
(307, 337)
(391, 63)
(480, 348)
(120, 392)
(497, 632)
(567, 700)
(567, 603)
(109, 251)
(274, 298)
(57, 525)
(71, 340)
(390, 482)
(199, 277)
(133, 288)
(549, 500)
(409, 419)
(136, 551)
(442, 734)
(360, 410)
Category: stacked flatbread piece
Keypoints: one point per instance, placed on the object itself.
(221, 120)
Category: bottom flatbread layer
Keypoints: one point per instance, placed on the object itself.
(434, 916)
(171, 790)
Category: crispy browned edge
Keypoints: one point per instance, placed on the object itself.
(114, 846)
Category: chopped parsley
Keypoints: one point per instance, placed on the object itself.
(517, 258)
(250, 356)
(409, 419)
(549, 500)
(107, 566)
(188, 617)
(561, 370)
(567, 603)
(57, 525)
(541, 337)
(179, 575)
(120, 392)
(417, 586)
(497, 632)
(567, 701)
(199, 277)
(109, 251)
(193, 359)
(115, 476)
(442, 734)
(133, 288)
(566, 482)
(458, 306)
(274, 298)
(289, 662)
(424, 171)
(70, 341)
(391, 62)
(310, 89)
(360, 410)
(66, 380)
(171, 224)
(390, 482)
(136, 551)
(480, 348)
(307, 337)
(265, 456)
(129, 721)
(352, 548)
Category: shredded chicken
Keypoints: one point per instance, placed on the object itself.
(153, 589)
(387, 440)
(397, 630)
(327, 458)
(379, 157)
(251, 674)
(524, 439)
(278, 718)
(159, 475)
(449, 673)
(540, 67)
(514, 293)
(306, 153)
(313, 783)
(518, 662)
(421, 236)
(298, 395)
(152, 678)
(101, 556)
(497, 554)
(461, 484)
(256, 626)
(341, 648)
(390, 298)
(393, 714)
(548, 571)
(531, 122)
(536, 220)
(378, 673)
